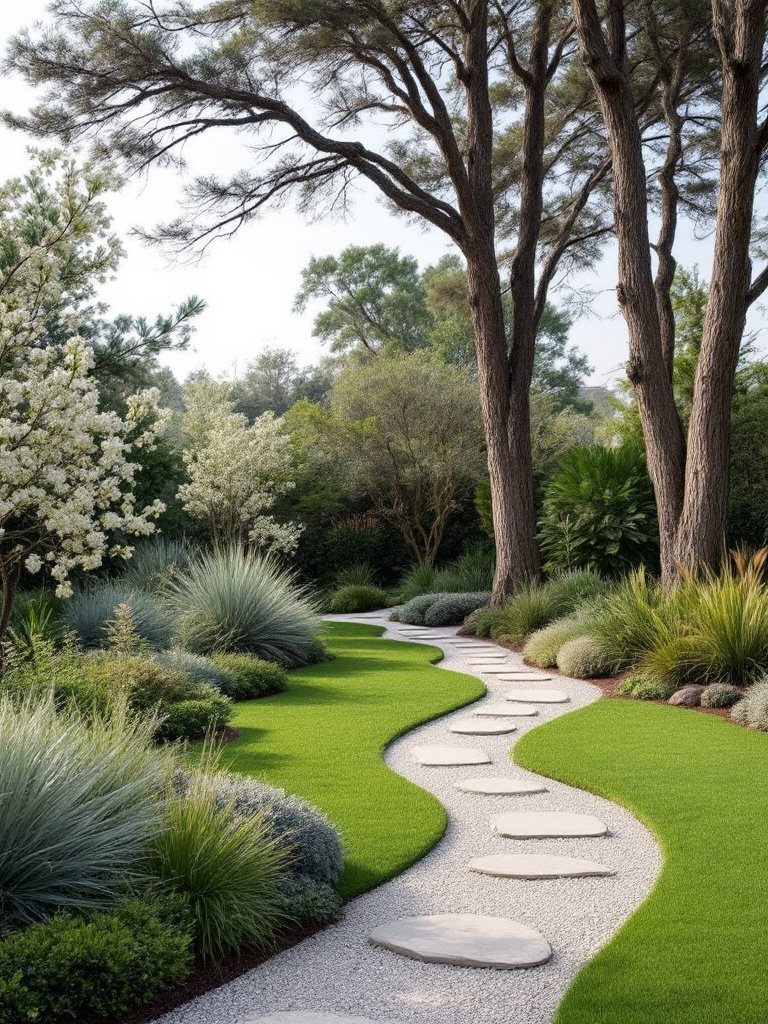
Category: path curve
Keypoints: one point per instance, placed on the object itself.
(337, 971)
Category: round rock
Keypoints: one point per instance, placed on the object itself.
(539, 696)
(499, 787)
(467, 940)
(507, 710)
(547, 825)
(481, 727)
(306, 1017)
(440, 755)
(533, 865)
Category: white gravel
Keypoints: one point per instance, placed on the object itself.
(337, 971)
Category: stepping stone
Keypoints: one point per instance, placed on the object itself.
(480, 727)
(490, 786)
(497, 669)
(306, 1017)
(441, 755)
(467, 940)
(547, 825)
(476, 658)
(539, 696)
(506, 710)
(536, 865)
(505, 676)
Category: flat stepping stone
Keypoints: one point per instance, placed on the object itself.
(306, 1017)
(547, 825)
(536, 865)
(438, 755)
(539, 696)
(467, 940)
(507, 710)
(481, 727)
(505, 676)
(490, 786)
(492, 669)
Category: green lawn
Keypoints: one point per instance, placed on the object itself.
(696, 950)
(323, 739)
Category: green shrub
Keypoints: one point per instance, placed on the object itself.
(358, 598)
(600, 512)
(452, 609)
(418, 580)
(36, 625)
(625, 624)
(469, 573)
(752, 709)
(647, 687)
(194, 719)
(100, 966)
(359, 575)
(542, 647)
(573, 587)
(316, 848)
(309, 901)
(78, 807)
(720, 695)
(234, 602)
(227, 866)
(247, 677)
(413, 612)
(581, 659)
(196, 669)
(88, 612)
(532, 606)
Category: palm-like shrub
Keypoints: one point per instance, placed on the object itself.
(88, 613)
(78, 807)
(600, 512)
(227, 866)
(232, 601)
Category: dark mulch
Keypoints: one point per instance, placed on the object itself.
(206, 977)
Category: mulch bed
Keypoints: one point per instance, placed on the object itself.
(206, 977)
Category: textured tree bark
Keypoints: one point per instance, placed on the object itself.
(704, 515)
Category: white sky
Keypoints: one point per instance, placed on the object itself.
(249, 282)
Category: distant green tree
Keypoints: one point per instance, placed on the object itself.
(273, 381)
(374, 299)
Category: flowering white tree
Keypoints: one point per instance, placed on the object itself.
(236, 471)
(65, 475)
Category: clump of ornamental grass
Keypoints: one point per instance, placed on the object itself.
(231, 601)
(79, 807)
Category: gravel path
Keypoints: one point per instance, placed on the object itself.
(337, 971)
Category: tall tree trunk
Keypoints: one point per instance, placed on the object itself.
(647, 368)
(704, 515)
(505, 402)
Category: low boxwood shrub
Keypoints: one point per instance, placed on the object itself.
(245, 677)
(543, 646)
(452, 609)
(752, 709)
(316, 847)
(356, 597)
(647, 687)
(310, 901)
(720, 695)
(580, 658)
(95, 967)
(194, 719)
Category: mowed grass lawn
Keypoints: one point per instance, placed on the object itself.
(696, 950)
(324, 737)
